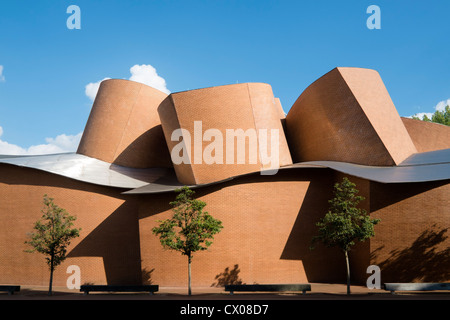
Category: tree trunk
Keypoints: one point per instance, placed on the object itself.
(348, 271)
(51, 276)
(189, 274)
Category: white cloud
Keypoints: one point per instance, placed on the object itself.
(92, 88)
(147, 74)
(7, 148)
(62, 143)
(144, 73)
(2, 77)
(439, 107)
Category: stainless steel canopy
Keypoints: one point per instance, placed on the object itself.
(419, 167)
(87, 169)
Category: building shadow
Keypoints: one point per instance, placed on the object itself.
(147, 276)
(425, 258)
(383, 195)
(324, 264)
(116, 240)
(148, 150)
(321, 264)
(423, 261)
(228, 277)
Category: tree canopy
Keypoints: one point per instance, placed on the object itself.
(52, 235)
(345, 223)
(442, 117)
(190, 229)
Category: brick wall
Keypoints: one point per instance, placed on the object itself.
(412, 240)
(107, 249)
(268, 225)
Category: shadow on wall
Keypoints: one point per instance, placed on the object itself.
(321, 264)
(148, 150)
(116, 240)
(147, 276)
(384, 195)
(152, 204)
(421, 258)
(228, 277)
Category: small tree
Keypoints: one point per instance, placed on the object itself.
(52, 235)
(190, 229)
(345, 222)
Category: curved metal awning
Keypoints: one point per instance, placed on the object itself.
(427, 158)
(397, 174)
(419, 167)
(82, 168)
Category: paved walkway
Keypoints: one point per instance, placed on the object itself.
(319, 291)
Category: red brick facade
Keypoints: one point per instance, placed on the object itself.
(268, 225)
(269, 220)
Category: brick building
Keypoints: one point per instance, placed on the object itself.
(122, 178)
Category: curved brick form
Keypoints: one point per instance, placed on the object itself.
(428, 136)
(124, 128)
(347, 115)
(247, 106)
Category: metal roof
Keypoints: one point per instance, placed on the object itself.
(168, 184)
(428, 158)
(395, 174)
(420, 167)
(80, 167)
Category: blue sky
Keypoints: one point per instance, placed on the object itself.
(45, 67)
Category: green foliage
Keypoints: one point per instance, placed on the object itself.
(345, 222)
(442, 117)
(53, 233)
(190, 229)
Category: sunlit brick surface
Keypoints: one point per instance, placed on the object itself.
(248, 106)
(347, 115)
(428, 136)
(124, 126)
